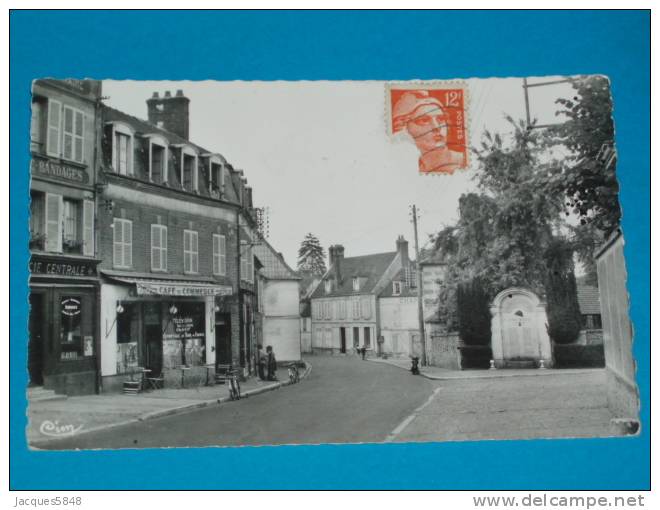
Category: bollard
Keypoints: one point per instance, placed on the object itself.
(492, 364)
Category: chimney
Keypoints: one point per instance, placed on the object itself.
(335, 256)
(170, 111)
(402, 249)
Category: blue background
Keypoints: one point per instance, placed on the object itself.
(337, 46)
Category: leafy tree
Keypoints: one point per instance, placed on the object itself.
(473, 304)
(311, 256)
(564, 319)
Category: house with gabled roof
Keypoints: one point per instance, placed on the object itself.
(278, 304)
(345, 313)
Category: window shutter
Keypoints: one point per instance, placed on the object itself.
(128, 243)
(117, 236)
(163, 245)
(195, 254)
(155, 247)
(88, 227)
(79, 136)
(53, 222)
(216, 254)
(67, 133)
(115, 149)
(53, 132)
(223, 255)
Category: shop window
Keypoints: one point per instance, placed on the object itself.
(219, 255)
(190, 252)
(71, 341)
(128, 332)
(158, 248)
(122, 243)
(73, 130)
(184, 336)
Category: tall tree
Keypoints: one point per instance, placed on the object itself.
(586, 181)
(311, 256)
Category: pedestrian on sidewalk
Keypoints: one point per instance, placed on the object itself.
(272, 364)
(262, 359)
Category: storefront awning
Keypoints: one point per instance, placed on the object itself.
(150, 287)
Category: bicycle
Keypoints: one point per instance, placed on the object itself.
(294, 375)
(234, 385)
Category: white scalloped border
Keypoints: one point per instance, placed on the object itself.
(430, 85)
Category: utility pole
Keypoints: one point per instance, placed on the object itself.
(420, 293)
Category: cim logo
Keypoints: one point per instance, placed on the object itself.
(54, 429)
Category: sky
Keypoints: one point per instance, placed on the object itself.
(318, 155)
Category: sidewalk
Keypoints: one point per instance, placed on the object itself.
(54, 419)
(444, 374)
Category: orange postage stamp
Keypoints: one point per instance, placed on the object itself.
(434, 117)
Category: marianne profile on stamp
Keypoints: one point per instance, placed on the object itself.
(428, 122)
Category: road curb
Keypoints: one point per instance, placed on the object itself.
(171, 411)
(495, 374)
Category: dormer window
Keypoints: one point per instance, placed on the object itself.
(216, 174)
(158, 155)
(356, 283)
(189, 168)
(396, 288)
(122, 148)
(328, 286)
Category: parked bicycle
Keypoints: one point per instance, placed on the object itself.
(234, 385)
(294, 374)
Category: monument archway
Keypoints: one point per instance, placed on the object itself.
(518, 327)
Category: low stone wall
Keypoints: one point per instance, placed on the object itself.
(443, 350)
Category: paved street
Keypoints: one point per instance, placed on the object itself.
(343, 400)
(555, 403)
(349, 400)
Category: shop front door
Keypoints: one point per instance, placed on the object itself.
(37, 340)
(222, 339)
(153, 336)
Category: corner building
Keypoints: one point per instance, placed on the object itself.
(176, 227)
(64, 337)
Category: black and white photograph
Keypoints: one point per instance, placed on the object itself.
(242, 263)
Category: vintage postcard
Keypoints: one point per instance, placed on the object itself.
(368, 262)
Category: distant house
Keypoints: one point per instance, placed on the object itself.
(592, 323)
(399, 314)
(279, 303)
(345, 308)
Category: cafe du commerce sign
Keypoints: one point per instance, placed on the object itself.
(59, 171)
(51, 266)
(143, 288)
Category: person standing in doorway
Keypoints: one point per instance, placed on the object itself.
(272, 364)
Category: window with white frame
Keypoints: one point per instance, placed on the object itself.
(54, 128)
(356, 283)
(190, 252)
(216, 176)
(188, 169)
(158, 247)
(328, 310)
(158, 159)
(122, 243)
(396, 288)
(341, 309)
(356, 308)
(365, 307)
(37, 124)
(122, 149)
(73, 131)
(219, 255)
(328, 286)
